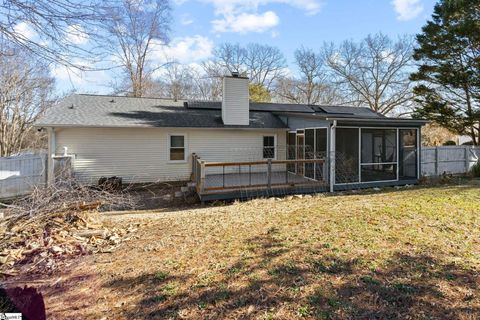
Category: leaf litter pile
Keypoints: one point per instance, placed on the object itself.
(55, 223)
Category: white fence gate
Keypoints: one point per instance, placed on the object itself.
(448, 159)
(19, 174)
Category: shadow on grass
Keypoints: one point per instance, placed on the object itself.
(276, 277)
(408, 287)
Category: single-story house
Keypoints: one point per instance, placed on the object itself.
(232, 146)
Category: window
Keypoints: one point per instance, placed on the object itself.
(269, 147)
(177, 148)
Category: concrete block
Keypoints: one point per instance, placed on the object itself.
(178, 194)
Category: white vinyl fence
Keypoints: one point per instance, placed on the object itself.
(448, 159)
(19, 174)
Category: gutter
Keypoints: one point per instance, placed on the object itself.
(384, 120)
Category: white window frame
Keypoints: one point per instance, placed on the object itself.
(274, 135)
(185, 147)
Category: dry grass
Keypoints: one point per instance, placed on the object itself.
(409, 254)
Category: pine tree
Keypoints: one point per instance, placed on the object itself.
(448, 88)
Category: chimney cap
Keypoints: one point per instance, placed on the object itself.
(236, 74)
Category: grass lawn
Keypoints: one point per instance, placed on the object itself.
(412, 253)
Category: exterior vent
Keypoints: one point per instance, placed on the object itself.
(235, 102)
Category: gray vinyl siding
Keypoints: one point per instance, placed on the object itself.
(298, 122)
(142, 154)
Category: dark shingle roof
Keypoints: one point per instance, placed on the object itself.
(85, 110)
(113, 111)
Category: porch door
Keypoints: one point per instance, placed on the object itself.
(408, 150)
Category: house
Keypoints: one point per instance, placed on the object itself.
(232, 148)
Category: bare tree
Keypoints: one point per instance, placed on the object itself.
(374, 72)
(26, 91)
(178, 82)
(137, 29)
(54, 30)
(207, 87)
(263, 64)
(175, 82)
(312, 86)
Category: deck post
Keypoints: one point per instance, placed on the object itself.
(201, 187)
(194, 167)
(269, 173)
(332, 155)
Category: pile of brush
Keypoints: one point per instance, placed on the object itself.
(57, 222)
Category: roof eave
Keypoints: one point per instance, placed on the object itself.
(153, 127)
(381, 120)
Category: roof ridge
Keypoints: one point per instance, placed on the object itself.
(118, 96)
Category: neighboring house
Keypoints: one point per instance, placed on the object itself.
(234, 145)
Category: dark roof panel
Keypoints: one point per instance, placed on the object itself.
(254, 106)
(352, 111)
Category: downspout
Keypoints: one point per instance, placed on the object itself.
(332, 154)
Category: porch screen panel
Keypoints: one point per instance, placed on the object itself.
(408, 150)
(379, 155)
(300, 151)
(321, 153)
(346, 155)
(291, 153)
(309, 152)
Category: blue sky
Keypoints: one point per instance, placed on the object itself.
(199, 25)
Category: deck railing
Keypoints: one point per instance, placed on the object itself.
(259, 175)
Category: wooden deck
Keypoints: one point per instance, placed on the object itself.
(215, 180)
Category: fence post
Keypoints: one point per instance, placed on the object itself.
(269, 173)
(436, 161)
(467, 159)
